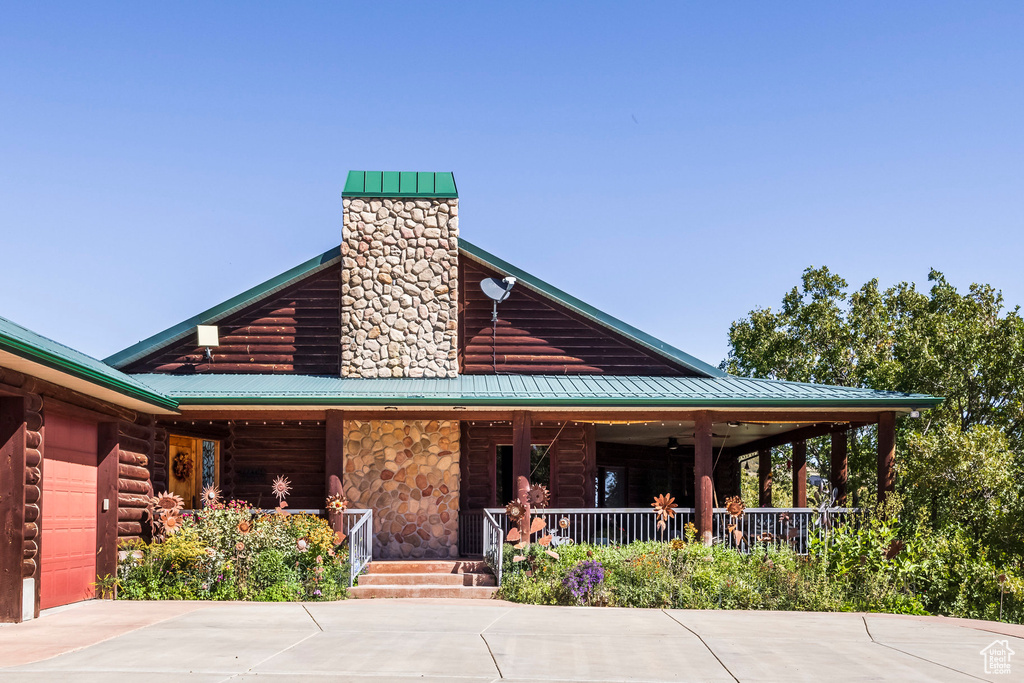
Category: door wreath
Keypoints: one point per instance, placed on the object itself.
(183, 465)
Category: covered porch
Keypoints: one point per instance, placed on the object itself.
(428, 455)
(428, 476)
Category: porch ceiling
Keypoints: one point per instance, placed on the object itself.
(658, 433)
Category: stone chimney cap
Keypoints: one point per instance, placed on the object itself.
(400, 184)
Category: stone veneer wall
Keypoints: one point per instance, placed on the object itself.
(399, 288)
(407, 472)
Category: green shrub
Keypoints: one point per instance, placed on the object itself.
(868, 568)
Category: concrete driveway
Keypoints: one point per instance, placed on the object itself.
(481, 641)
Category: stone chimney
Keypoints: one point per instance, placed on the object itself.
(399, 276)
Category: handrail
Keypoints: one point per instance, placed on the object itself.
(494, 543)
(360, 541)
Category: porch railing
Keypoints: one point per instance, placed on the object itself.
(620, 526)
(601, 526)
(471, 530)
(358, 526)
(793, 526)
(493, 539)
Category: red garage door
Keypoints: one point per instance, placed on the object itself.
(69, 512)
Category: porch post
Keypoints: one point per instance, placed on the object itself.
(703, 467)
(334, 461)
(521, 443)
(840, 466)
(764, 477)
(15, 605)
(109, 457)
(590, 470)
(886, 454)
(800, 474)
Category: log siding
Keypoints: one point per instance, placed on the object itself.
(572, 468)
(296, 331)
(538, 336)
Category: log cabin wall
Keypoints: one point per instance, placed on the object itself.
(158, 465)
(727, 478)
(649, 471)
(572, 462)
(137, 446)
(254, 455)
(653, 469)
(538, 336)
(33, 489)
(297, 331)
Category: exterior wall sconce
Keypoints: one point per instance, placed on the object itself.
(208, 336)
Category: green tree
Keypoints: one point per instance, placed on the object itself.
(962, 463)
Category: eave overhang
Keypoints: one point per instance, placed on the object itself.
(31, 354)
(521, 392)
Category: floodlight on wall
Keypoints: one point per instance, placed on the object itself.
(208, 336)
(497, 291)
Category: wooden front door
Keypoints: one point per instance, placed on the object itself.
(68, 552)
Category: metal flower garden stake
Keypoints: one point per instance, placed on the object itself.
(519, 512)
(664, 510)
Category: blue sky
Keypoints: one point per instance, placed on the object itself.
(674, 164)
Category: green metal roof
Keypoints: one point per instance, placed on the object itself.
(212, 315)
(36, 348)
(523, 390)
(587, 311)
(399, 184)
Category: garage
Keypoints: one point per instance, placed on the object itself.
(69, 509)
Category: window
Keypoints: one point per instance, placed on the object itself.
(611, 487)
(505, 485)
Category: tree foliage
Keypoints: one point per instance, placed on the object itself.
(961, 463)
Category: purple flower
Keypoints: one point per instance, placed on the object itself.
(316, 592)
(583, 578)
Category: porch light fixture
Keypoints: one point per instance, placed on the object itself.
(915, 414)
(673, 443)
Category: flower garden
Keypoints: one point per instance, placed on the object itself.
(867, 568)
(232, 551)
(877, 564)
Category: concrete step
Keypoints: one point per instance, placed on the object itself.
(422, 591)
(426, 567)
(435, 579)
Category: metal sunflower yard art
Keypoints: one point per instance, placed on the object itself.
(337, 504)
(164, 514)
(539, 496)
(735, 506)
(171, 521)
(518, 512)
(664, 509)
(168, 501)
(515, 511)
(210, 496)
(281, 488)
